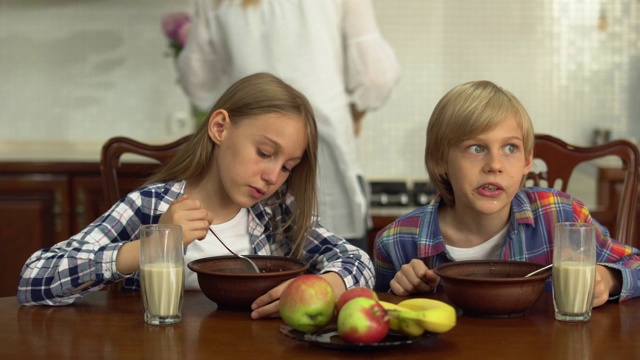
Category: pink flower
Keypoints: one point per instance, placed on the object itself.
(183, 33)
(176, 27)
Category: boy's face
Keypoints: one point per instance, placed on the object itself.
(486, 171)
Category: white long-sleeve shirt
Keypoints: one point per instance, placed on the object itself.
(330, 50)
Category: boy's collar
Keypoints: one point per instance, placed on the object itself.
(521, 208)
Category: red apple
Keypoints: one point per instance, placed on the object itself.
(307, 303)
(353, 293)
(363, 320)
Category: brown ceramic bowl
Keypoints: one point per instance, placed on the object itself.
(224, 280)
(495, 288)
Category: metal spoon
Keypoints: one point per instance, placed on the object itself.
(539, 270)
(250, 267)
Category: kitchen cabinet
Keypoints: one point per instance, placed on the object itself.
(33, 209)
(45, 203)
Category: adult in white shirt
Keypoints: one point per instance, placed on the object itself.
(330, 50)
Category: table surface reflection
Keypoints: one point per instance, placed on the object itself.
(110, 325)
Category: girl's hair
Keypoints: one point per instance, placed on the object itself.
(466, 111)
(259, 94)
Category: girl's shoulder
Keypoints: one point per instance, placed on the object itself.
(158, 195)
(172, 189)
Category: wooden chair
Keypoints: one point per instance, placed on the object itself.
(112, 152)
(561, 159)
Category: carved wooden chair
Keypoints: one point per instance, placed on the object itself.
(115, 148)
(561, 159)
(110, 165)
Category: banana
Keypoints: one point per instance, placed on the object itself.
(394, 323)
(391, 306)
(433, 320)
(419, 304)
(414, 316)
(432, 315)
(405, 326)
(410, 327)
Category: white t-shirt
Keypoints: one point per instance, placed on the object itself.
(488, 250)
(234, 233)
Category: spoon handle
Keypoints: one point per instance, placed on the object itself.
(253, 265)
(539, 270)
(222, 242)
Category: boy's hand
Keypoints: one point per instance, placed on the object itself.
(414, 277)
(190, 215)
(608, 282)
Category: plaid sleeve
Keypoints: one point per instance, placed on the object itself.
(385, 271)
(613, 254)
(396, 245)
(625, 258)
(551, 206)
(51, 276)
(326, 252)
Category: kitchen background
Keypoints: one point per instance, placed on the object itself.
(81, 71)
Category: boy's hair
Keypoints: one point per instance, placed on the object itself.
(465, 111)
(259, 94)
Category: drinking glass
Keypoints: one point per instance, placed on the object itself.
(574, 270)
(162, 273)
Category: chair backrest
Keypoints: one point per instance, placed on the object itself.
(561, 159)
(114, 148)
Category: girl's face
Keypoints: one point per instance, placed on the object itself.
(254, 157)
(486, 170)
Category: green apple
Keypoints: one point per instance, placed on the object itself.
(363, 320)
(307, 303)
(356, 292)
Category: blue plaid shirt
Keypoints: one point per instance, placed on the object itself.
(535, 211)
(52, 275)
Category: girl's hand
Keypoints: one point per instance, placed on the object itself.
(190, 215)
(608, 282)
(267, 304)
(414, 277)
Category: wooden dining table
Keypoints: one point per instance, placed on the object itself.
(110, 325)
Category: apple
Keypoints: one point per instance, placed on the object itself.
(353, 293)
(363, 320)
(307, 303)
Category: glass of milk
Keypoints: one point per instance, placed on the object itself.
(574, 270)
(162, 273)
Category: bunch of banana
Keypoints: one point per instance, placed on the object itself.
(414, 316)
(406, 326)
(434, 315)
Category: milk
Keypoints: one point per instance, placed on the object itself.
(162, 288)
(573, 287)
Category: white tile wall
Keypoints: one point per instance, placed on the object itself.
(570, 74)
(89, 70)
(85, 69)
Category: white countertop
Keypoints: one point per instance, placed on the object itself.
(57, 151)
(49, 151)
